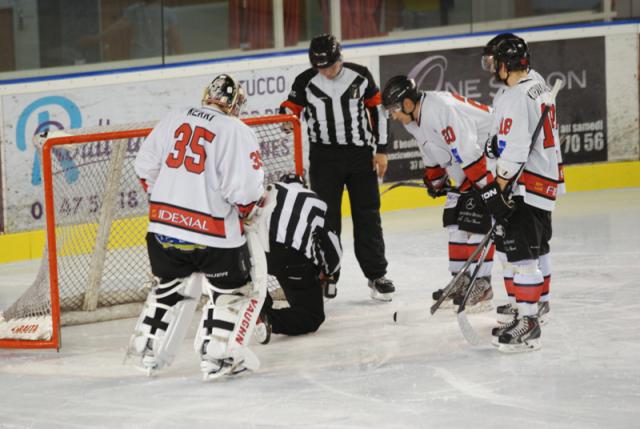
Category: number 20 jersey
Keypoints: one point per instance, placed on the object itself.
(516, 114)
(203, 171)
(451, 134)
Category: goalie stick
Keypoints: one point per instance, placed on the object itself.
(463, 322)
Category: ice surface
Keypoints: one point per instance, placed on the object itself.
(362, 371)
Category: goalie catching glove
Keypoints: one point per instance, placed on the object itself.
(500, 206)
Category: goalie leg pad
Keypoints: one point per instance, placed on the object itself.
(164, 321)
(226, 327)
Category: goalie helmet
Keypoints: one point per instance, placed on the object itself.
(324, 51)
(396, 90)
(227, 93)
(513, 53)
(490, 48)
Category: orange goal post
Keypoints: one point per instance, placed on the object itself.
(94, 266)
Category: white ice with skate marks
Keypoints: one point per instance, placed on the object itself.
(360, 370)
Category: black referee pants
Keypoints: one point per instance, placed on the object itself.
(330, 170)
(299, 279)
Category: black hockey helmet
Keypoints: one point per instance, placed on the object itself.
(513, 53)
(227, 93)
(293, 178)
(490, 49)
(324, 51)
(396, 90)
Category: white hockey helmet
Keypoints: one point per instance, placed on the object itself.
(227, 93)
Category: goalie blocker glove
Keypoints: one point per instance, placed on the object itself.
(500, 206)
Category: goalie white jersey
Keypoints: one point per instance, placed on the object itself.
(517, 112)
(451, 134)
(203, 172)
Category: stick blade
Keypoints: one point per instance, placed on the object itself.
(467, 330)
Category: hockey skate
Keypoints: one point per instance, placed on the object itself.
(382, 289)
(213, 368)
(262, 331)
(457, 291)
(543, 312)
(480, 297)
(218, 368)
(523, 337)
(502, 328)
(506, 313)
(144, 361)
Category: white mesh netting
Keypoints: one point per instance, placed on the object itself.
(100, 224)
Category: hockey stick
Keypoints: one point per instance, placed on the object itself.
(485, 243)
(447, 290)
(467, 330)
(407, 184)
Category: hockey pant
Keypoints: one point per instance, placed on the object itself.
(298, 277)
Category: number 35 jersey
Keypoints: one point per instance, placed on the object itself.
(517, 113)
(203, 172)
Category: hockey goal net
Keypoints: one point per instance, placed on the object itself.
(95, 266)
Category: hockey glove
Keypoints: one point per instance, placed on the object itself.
(491, 148)
(440, 191)
(500, 206)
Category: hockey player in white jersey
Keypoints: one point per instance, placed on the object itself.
(523, 195)
(507, 312)
(450, 131)
(202, 170)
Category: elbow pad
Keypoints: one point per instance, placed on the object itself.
(507, 169)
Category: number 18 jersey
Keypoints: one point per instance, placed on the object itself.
(517, 113)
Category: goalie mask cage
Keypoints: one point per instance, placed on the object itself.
(95, 265)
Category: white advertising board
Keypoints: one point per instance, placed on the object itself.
(26, 115)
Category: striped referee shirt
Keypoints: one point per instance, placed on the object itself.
(297, 221)
(345, 110)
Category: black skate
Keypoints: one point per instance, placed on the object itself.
(523, 337)
(506, 313)
(382, 289)
(501, 329)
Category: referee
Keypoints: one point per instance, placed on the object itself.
(303, 256)
(347, 134)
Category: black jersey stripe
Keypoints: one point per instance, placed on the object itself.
(328, 109)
